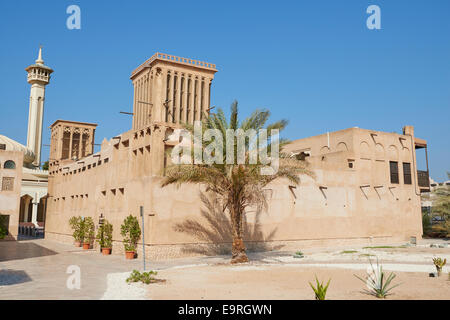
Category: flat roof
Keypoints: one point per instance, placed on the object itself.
(174, 59)
(74, 122)
(418, 141)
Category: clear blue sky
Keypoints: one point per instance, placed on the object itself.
(312, 62)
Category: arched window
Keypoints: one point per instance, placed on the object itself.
(9, 165)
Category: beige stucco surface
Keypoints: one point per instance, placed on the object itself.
(341, 204)
(10, 199)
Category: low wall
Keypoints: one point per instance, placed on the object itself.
(172, 251)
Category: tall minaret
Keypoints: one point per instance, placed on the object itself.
(38, 77)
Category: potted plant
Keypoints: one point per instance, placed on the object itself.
(131, 232)
(76, 223)
(104, 237)
(88, 232)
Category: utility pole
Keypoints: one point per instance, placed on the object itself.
(141, 208)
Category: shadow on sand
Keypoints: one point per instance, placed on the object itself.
(216, 232)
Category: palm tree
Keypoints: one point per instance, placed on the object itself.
(238, 186)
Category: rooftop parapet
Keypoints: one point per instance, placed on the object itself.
(171, 58)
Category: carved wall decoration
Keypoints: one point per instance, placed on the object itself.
(379, 151)
(7, 184)
(341, 146)
(393, 152)
(324, 149)
(364, 149)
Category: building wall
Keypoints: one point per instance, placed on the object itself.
(340, 205)
(10, 180)
(360, 201)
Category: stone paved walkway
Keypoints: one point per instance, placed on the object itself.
(36, 269)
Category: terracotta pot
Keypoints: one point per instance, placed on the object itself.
(129, 254)
(86, 246)
(106, 251)
(77, 243)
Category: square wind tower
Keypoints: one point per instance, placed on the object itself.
(171, 89)
(71, 140)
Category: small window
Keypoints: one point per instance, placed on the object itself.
(406, 173)
(351, 163)
(9, 164)
(394, 171)
(2, 146)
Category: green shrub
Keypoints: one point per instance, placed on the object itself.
(426, 223)
(4, 222)
(3, 232)
(320, 290)
(104, 234)
(76, 223)
(298, 254)
(439, 264)
(131, 233)
(147, 277)
(88, 230)
(438, 230)
(386, 247)
(135, 276)
(348, 251)
(144, 277)
(377, 281)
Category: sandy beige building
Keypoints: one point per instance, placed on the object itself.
(32, 180)
(10, 179)
(366, 188)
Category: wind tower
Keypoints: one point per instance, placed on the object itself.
(171, 90)
(38, 77)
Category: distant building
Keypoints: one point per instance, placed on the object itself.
(26, 183)
(10, 179)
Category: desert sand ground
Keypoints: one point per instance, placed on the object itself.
(280, 275)
(285, 282)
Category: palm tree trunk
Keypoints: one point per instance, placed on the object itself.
(238, 254)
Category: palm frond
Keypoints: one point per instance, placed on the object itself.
(234, 114)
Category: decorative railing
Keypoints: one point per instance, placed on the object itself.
(423, 179)
(171, 58)
(37, 77)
